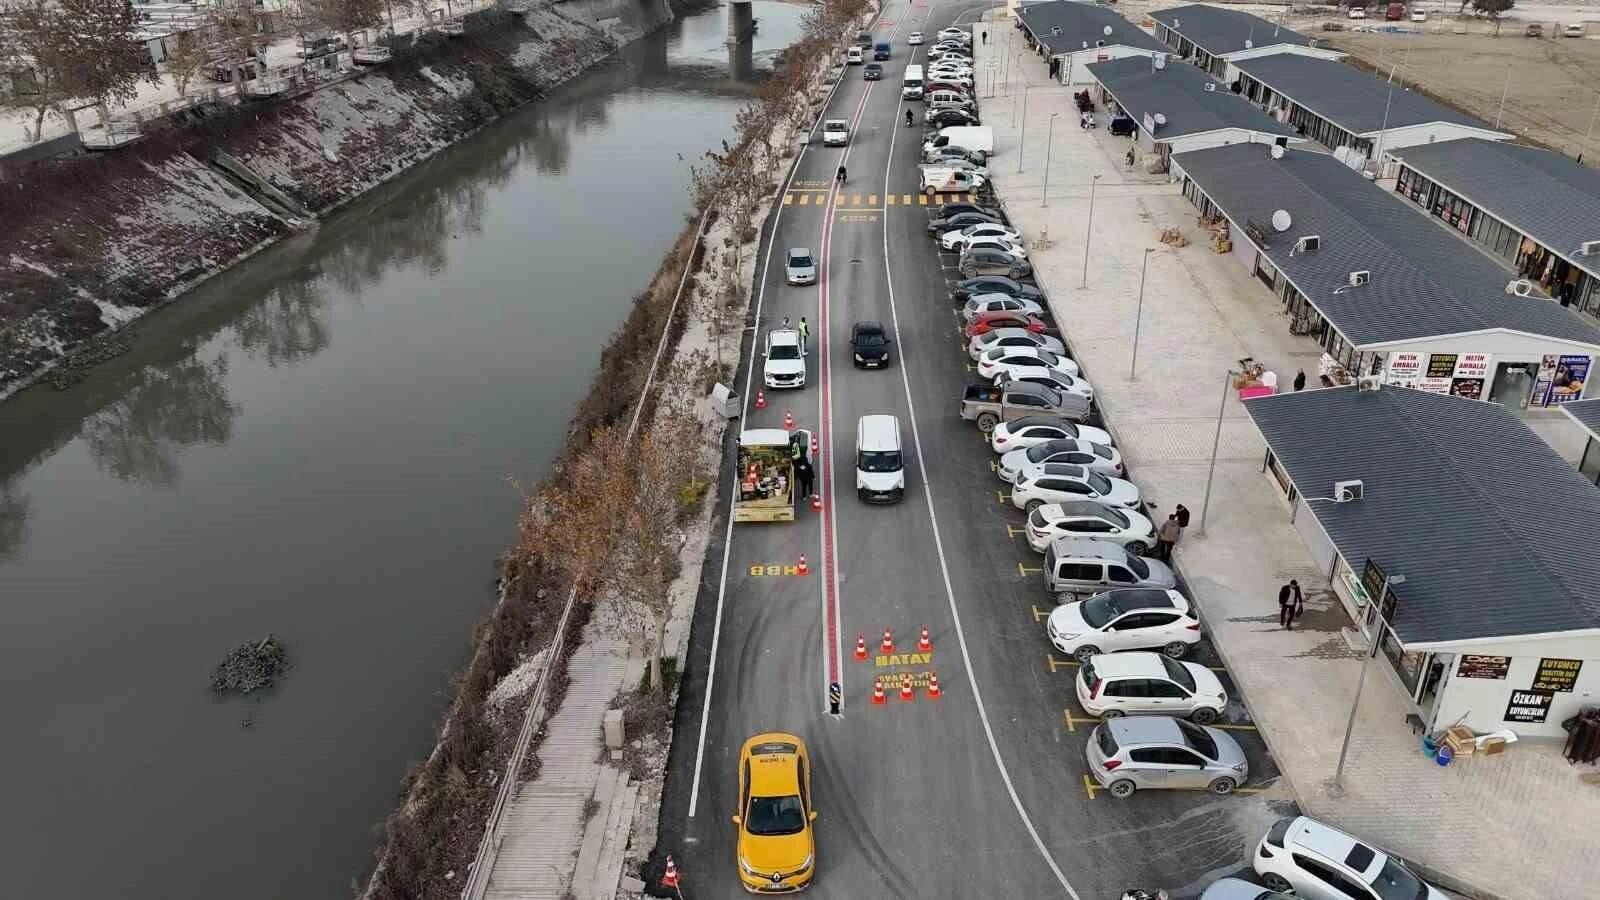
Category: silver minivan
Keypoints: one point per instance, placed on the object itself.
(880, 464)
(1146, 752)
(1080, 565)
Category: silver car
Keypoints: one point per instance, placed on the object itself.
(1147, 752)
(1239, 889)
(1013, 337)
(800, 267)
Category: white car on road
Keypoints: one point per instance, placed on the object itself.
(1092, 456)
(1090, 519)
(1063, 482)
(785, 365)
(835, 133)
(999, 362)
(952, 240)
(1125, 619)
(1012, 337)
(914, 38)
(1150, 684)
(1030, 430)
(988, 303)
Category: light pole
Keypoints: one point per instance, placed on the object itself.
(1335, 785)
(1216, 441)
(1088, 230)
(1503, 92)
(1138, 317)
(1050, 136)
(1022, 136)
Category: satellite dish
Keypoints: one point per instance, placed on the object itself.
(1281, 220)
(1085, 45)
(1277, 151)
(1159, 60)
(1159, 119)
(1248, 44)
(1106, 31)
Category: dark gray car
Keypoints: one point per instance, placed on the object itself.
(984, 261)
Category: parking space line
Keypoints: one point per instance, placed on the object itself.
(995, 467)
(1074, 721)
(1001, 496)
(1050, 658)
(1040, 615)
(1010, 531)
(1027, 570)
(1229, 727)
(1090, 787)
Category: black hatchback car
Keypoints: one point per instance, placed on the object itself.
(869, 345)
(872, 72)
(997, 284)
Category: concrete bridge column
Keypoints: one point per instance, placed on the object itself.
(741, 18)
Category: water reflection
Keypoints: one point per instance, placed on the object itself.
(286, 326)
(14, 508)
(162, 410)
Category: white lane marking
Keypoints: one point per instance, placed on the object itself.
(727, 540)
(944, 566)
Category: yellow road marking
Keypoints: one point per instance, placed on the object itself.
(905, 199)
(922, 199)
(788, 199)
(1074, 721)
(1027, 570)
(772, 570)
(1001, 496)
(872, 199)
(1040, 615)
(994, 467)
(1010, 532)
(1090, 786)
(805, 199)
(1051, 658)
(855, 199)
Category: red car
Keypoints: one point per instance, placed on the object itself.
(986, 322)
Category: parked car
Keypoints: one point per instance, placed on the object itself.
(914, 38)
(1320, 862)
(1002, 362)
(958, 238)
(1357, 12)
(1239, 889)
(872, 72)
(1142, 683)
(957, 66)
(1417, 15)
(800, 267)
(785, 365)
(947, 117)
(1124, 619)
(1036, 485)
(988, 303)
(1016, 251)
(1122, 126)
(959, 34)
(869, 345)
(1144, 752)
(1088, 565)
(952, 80)
(959, 221)
(984, 261)
(936, 84)
(1013, 337)
(989, 321)
(1092, 456)
(989, 405)
(937, 180)
(1035, 429)
(947, 152)
(956, 208)
(996, 284)
(776, 848)
(1054, 379)
(1087, 518)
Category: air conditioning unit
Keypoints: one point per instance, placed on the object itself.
(1310, 243)
(1522, 287)
(1369, 383)
(1357, 279)
(1589, 248)
(1210, 87)
(1347, 491)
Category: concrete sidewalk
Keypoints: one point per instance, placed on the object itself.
(1496, 825)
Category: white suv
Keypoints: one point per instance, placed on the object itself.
(1127, 684)
(785, 365)
(1319, 862)
(1127, 619)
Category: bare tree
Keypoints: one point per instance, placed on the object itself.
(76, 50)
(577, 518)
(187, 59)
(345, 16)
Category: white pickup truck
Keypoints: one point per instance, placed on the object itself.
(835, 133)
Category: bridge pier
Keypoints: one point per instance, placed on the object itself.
(741, 21)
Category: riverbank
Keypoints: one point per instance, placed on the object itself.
(94, 243)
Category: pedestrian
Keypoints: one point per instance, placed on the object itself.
(1300, 380)
(1167, 536)
(1130, 157)
(785, 322)
(806, 474)
(805, 333)
(985, 34)
(1182, 512)
(1290, 603)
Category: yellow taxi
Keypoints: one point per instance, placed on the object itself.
(777, 854)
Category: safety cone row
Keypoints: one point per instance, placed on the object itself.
(933, 685)
(924, 643)
(888, 642)
(761, 399)
(905, 689)
(788, 420)
(803, 569)
(878, 698)
(861, 648)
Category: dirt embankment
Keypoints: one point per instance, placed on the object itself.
(92, 243)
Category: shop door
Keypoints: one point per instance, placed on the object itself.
(1513, 383)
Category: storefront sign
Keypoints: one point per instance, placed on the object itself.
(1470, 388)
(1405, 365)
(1570, 375)
(1543, 381)
(1474, 666)
(1557, 674)
(1373, 580)
(1528, 706)
(1442, 365)
(1472, 365)
(1434, 385)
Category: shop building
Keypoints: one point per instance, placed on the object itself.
(1358, 115)
(1587, 414)
(1466, 548)
(1385, 292)
(1214, 37)
(1176, 108)
(1072, 35)
(1538, 211)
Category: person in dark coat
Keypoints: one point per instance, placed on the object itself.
(805, 475)
(1290, 604)
(1182, 512)
(1300, 380)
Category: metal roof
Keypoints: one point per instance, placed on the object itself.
(1495, 533)
(1586, 413)
(1348, 97)
(1218, 31)
(1178, 92)
(1081, 23)
(1544, 195)
(1425, 281)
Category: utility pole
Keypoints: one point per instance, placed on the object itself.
(1216, 441)
(1138, 317)
(1087, 233)
(1022, 135)
(1503, 92)
(1050, 137)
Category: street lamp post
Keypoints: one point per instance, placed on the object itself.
(1216, 441)
(1022, 136)
(1504, 91)
(1138, 317)
(1050, 137)
(1088, 230)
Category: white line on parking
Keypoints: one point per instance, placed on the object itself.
(944, 566)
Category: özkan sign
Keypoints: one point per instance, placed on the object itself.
(1528, 706)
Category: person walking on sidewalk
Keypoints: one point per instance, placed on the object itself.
(1300, 380)
(1166, 536)
(1290, 604)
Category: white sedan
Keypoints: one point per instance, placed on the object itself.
(954, 240)
(914, 38)
(950, 71)
(1030, 430)
(988, 303)
(1091, 519)
(961, 81)
(1063, 482)
(998, 361)
(1079, 452)
(1012, 337)
(959, 34)
(1053, 379)
(1125, 619)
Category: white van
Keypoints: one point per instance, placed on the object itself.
(911, 88)
(853, 56)
(937, 179)
(880, 465)
(967, 137)
(835, 133)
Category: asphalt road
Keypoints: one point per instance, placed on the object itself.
(980, 792)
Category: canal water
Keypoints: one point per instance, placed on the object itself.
(323, 444)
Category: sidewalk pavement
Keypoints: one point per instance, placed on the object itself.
(1499, 826)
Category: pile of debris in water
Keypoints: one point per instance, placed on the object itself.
(250, 667)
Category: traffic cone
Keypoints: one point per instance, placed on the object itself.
(803, 568)
(924, 645)
(878, 698)
(905, 689)
(813, 445)
(816, 503)
(669, 878)
(888, 642)
(861, 648)
(788, 420)
(933, 684)
(761, 399)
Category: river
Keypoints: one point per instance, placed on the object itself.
(322, 444)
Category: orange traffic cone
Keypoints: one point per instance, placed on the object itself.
(803, 568)
(816, 503)
(861, 648)
(878, 698)
(888, 642)
(905, 689)
(788, 420)
(813, 445)
(933, 684)
(761, 399)
(924, 645)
